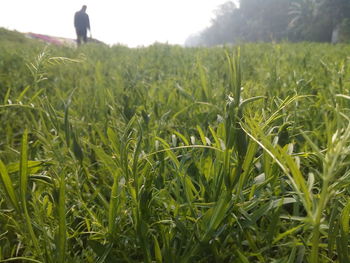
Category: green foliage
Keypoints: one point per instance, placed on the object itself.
(167, 154)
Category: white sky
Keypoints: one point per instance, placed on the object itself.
(129, 22)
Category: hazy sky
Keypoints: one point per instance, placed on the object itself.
(130, 22)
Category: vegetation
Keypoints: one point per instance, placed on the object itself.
(277, 20)
(167, 154)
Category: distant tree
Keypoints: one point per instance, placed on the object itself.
(224, 26)
(317, 20)
(337, 10)
(302, 14)
(264, 20)
(275, 20)
(338, 13)
(255, 20)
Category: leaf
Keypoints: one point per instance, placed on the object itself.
(247, 164)
(7, 95)
(217, 215)
(242, 257)
(21, 259)
(183, 138)
(157, 251)
(78, 152)
(287, 233)
(33, 166)
(169, 152)
(292, 256)
(215, 136)
(113, 204)
(333, 228)
(343, 96)
(299, 181)
(201, 134)
(345, 218)
(8, 185)
(23, 93)
(247, 101)
(62, 228)
(184, 93)
(23, 170)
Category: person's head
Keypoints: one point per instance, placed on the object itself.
(84, 8)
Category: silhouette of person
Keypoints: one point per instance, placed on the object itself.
(82, 24)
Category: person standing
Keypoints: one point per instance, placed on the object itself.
(82, 25)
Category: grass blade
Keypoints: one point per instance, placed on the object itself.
(62, 230)
(8, 185)
(23, 188)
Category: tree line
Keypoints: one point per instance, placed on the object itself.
(277, 20)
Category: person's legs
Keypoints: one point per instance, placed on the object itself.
(81, 35)
(85, 36)
(78, 40)
(78, 37)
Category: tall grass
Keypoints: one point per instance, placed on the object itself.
(166, 154)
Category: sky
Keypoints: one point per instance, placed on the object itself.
(128, 22)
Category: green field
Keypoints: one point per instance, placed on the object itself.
(171, 154)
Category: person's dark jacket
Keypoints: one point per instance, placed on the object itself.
(81, 21)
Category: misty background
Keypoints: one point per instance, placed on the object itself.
(185, 22)
(276, 20)
(127, 22)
